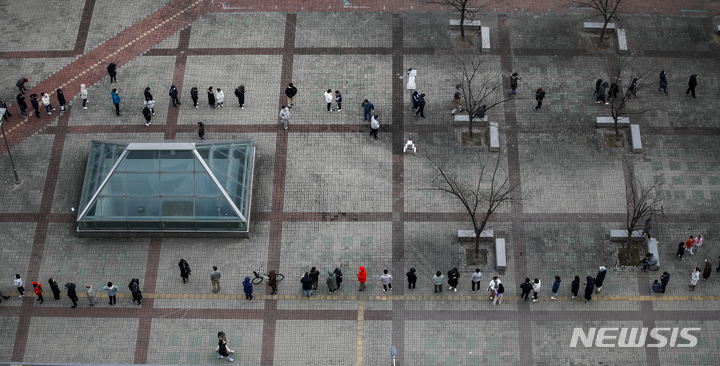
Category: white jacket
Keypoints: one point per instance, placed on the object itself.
(476, 277)
(18, 282)
(83, 91)
(536, 286)
(220, 96)
(374, 123)
(150, 104)
(385, 279)
(329, 97)
(493, 284)
(285, 113)
(46, 99)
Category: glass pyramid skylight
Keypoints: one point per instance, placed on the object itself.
(167, 186)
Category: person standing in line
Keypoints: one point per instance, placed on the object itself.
(499, 294)
(385, 279)
(285, 117)
(697, 244)
(526, 287)
(19, 284)
(38, 291)
(646, 227)
(220, 96)
(194, 96)
(689, 244)
(35, 105)
(575, 286)
(412, 279)
(374, 126)
(46, 102)
(707, 271)
(272, 282)
(331, 282)
(148, 116)
(72, 295)
(211, 97)
(338, 277)
(589, 287)
(7, 112)
(215, 278)
(663, 84)
(290, 93)
(513, 83)
(90, 294)
(223, 350)
(315, 276)
(421, 106)
(695, 277)
(184, 270)
(539, 96)
(135, 291)
(201, 130)
(248, 288)
(656, 286)
(21, 85)
(415, 101)
(457, 103)
(112, 71)
(338, 100)
(475, 280)
(368, 108)
(438, 281)
(116, 101)
(61, 98)
(111, 292)
(306, 282)
(681, 250)
(329, 99)
(83, 95)
(632, 89)
(173, 93)
(600, 279)
(362, 277)
(536, 288)
(453, 279)
(492, 286)
(21, 103)
(600, 98)
(55, 288)
(147, 94)
(692, 83)
(240, 94)
(664, 281)
(555, 288)
(598, 83)
(614, 90)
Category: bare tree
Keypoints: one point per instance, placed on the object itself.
(641, 200)
(467, 9)
(606, 8)
(481, 83)
(638, 76)
(494, 188)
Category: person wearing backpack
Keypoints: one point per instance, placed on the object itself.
(112, 71)
(539, 96)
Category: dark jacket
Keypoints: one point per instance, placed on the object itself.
(211, 97)
(34, 101)
(575, 286)
(597, 85)
(247, 286)
(338, 276)
(55, 288)
(60, 96)
(415, 97)
(173, 92)
(526, 287)
(21, 102)
(412, 277)
(20, 82)
(112, 69)
(453, 276)
(664, 279)
(315, 275)
(589, 287)
(222, 349)
(148, 95)
(201, 130)
(71, 291)
(272, 279)
(184, 269)
(290, 91)
(656, 287)
(663, 81)
(480, 112)
(693, 81)
(306, 283)
(240, 95)
(193, 94)
(338, 97)
(421, 100)
(331, 281)
(556, 286)
(367, 107)
(540, 95)
(614, 90)
(600, 278)
(147, 114)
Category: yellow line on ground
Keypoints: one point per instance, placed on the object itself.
(360, 331)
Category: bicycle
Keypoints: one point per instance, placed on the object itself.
(260, 276)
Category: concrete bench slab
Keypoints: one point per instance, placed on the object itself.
(469, 235)
(464, 120)
(608, 122)
(494, 137)
(455, 24)
(652, 247)
(636, 141)
(592, 26)
(485, 33)
(621, 235)
(500, 255)
(622, 41)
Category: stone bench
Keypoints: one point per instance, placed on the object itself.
(591, 26)
(652, 247)
(718, 30)
(622, 41)
(485, 33)
(500, 255)
(609, 122)
(636, 141)
(464, 120)
(494, 137)
(469, 235)
(455, 24)
(621, 235)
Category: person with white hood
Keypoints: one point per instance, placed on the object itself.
(45, 97)
(492, 287)
(599, 279)
(220, 97)
(83, 95)
(536, 289)
(374, 125)
(328, 99)
(385, 279)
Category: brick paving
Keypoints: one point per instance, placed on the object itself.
(327, 196)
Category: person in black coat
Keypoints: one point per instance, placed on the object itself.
(35, 105)
(692, 83)
(173, 93)
(148, 116)
(134, 287)
(453, 276)
(55, 289)
(575, 286)
(147, 94)
(589, 287)
(338, 277)
(597, 85)
(600, 279)
(7, 113)
(112, 71)
(184, 270)
(240, 94)
(315, 276)
(201, 130)
(526, 287)
(223, 350)
(72, 295)
(211, 97)
(194, 96)
(21, 103)
(664, 281)
(61, 98)
(412, 278)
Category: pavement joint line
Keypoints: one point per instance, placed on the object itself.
(360, 333)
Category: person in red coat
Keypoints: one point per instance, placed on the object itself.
(362, 277)
(38, 291)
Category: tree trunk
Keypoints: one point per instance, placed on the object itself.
(627, 247)
(462, 24)
(615, 119)
(602, 33)
(477, 244)
(470, 126)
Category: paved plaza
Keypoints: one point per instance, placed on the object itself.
(326, 194)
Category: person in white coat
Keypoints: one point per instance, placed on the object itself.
(375, 125)
(45, 97)
(475, 279)
(385, 279)
(285, 116)
(329, 99)
(536, 289)
(492, 286)
(83, 95)
(694, 279)
(220, 97)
